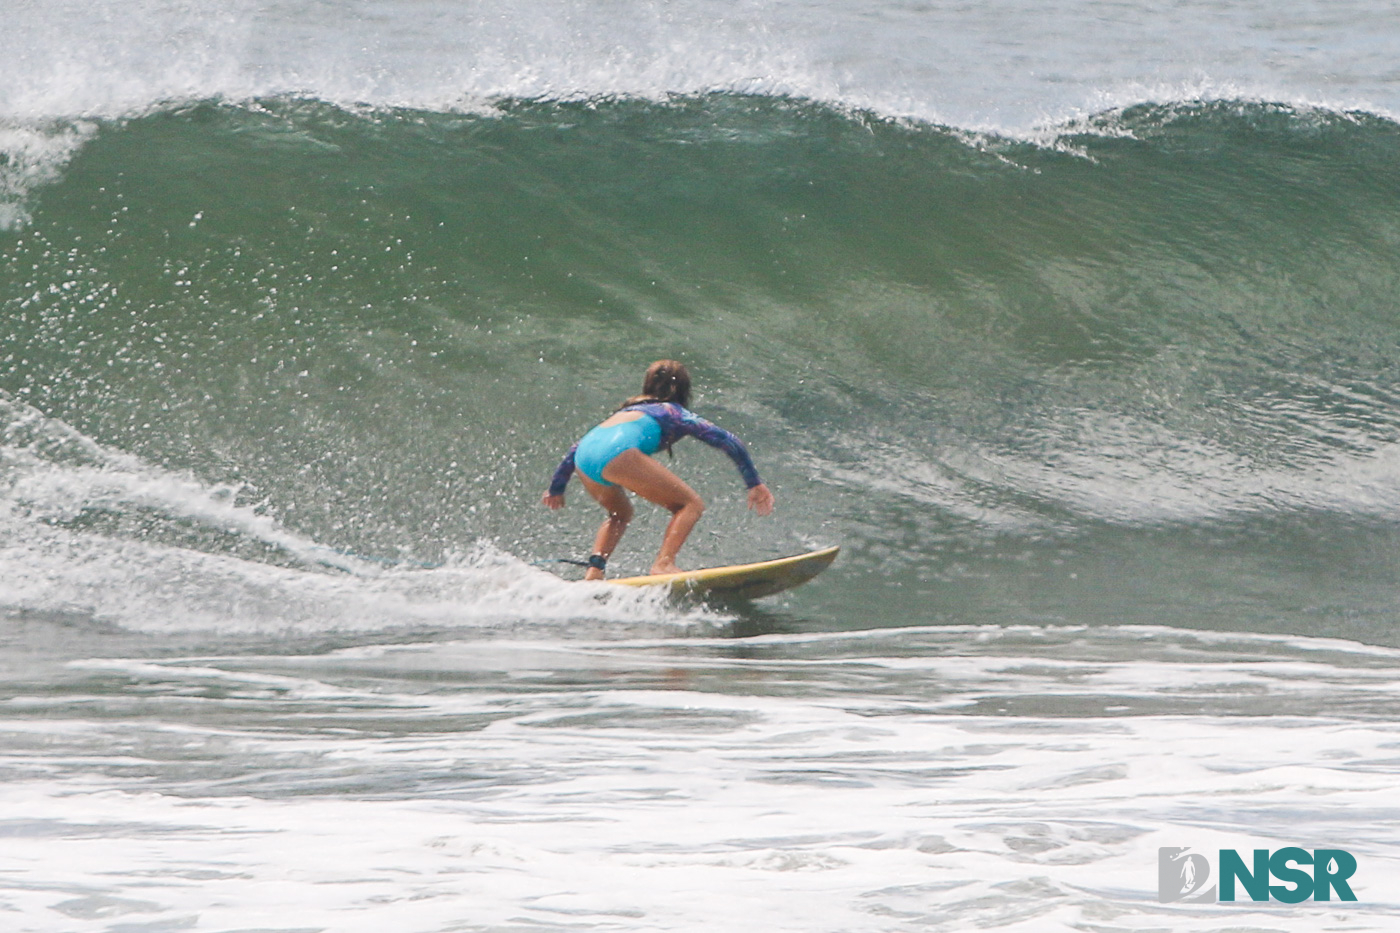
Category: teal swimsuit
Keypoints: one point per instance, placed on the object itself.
(661, 424)
(599, 446)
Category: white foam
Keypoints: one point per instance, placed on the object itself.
(31, 156)
(684, 810)
(157, 588)
(51, 475)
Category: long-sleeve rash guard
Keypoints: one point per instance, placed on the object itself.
(676, 422)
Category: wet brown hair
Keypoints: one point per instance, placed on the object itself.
(665, 381)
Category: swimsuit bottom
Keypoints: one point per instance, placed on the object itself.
(602, 444)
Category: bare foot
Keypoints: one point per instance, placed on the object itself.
(665, 566)
(593, 573)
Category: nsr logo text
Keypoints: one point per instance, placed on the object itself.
(1183, 875)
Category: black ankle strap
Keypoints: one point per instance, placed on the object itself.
(598, 562)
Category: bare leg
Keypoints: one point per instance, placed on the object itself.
(653, 482)
(619, 510)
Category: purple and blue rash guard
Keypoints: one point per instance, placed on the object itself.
(676, 422)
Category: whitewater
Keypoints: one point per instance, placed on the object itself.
(1073, 323)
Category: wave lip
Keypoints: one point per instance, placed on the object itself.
(1001, 69)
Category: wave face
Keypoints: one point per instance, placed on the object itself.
(1142, 369)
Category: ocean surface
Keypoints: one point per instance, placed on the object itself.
(1076, 324)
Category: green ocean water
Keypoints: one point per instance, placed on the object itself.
(1141, 370)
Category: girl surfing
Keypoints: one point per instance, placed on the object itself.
(617, 455)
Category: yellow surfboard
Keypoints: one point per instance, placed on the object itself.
(741, 581)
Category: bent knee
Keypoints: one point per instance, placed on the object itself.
(691, 503)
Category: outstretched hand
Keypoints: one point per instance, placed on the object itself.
(554, 502)
(761, 499)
